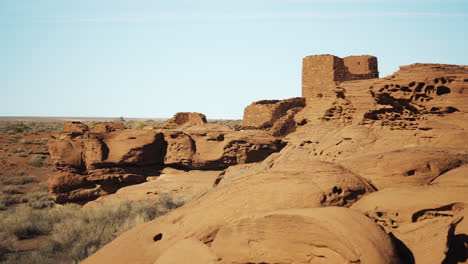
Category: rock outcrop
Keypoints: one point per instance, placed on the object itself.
(186, 119)
(275, 114)
(374, 171)
(94, 164)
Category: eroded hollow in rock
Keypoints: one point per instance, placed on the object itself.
(157, 237)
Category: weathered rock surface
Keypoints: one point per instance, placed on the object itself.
(180, 186)
(422, 219)
(111, 160)
(75, 128)
(188, 251)
(318, 235)
(393, 150)
(186, 119)
(322, 184)
(104, 127)
(455, 177)
(275, 114)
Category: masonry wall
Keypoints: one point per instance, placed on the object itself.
(322, 73)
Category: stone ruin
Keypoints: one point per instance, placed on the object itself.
(321, 74)
(324, 72)
(392, 149)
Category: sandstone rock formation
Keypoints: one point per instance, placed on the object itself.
(393, 150)
(322, 184)
(103, 127)
(275, 114)
(95, 164)
(186, 119)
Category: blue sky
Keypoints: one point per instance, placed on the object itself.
(153, 58)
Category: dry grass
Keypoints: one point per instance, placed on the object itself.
(13, 127)
(11, 190)
(139, 124)
(225, 122)
(37, 161)
(74, 232)
(18, 179)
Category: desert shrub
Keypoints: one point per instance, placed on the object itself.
(75, 233)
(166, 201)
(26, 222)
(11, 190)
(14, 139)
(36, 161)
(7, 200)
(25, 141)
(18, 150)
(225, 122)
(22, 155)
(7, 243)
(16, 180)
(32, 257)
(139, 124)
(13, 127)
(39, 198)
(95, 227)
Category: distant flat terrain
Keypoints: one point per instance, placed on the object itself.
(67, 118)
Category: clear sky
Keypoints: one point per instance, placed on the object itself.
(153, 58)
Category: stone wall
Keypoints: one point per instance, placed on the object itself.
(320, 73)
(264, 114)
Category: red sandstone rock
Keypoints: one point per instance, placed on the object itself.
(356, 138)
(320, 184)
(186, 119)
(318, 235)
(116, 159)
(105, 127)
(66, 153)
(75, 128)
(263, 114)
(124, 147)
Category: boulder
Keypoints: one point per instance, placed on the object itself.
(273, 113)
(427, 223)
(188, 251)
(454, 177)
(74, 127)
(181, 186)
(394, 207)
(66, 153)
(124, 147)
(405, 167)
(322, 184)
(315, 235)
(105, 127)
(186, 119)
(123, 157)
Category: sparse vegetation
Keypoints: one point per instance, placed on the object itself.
(18, 179)
(225, 122)
(14, 127)
(18, 150)
(73, 233)
(139, 124)
(11, 190)
(37, 161)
